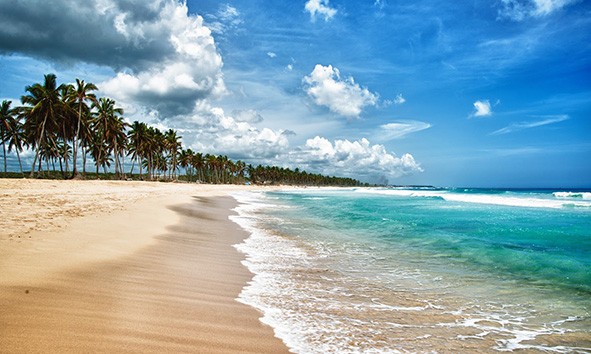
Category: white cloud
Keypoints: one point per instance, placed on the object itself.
(518, 10)
(289, 67)
(191, 71)
(247, 115)
(399, 99)
(356, 158)
(212, 131)
(344, 97)
(482, 109)
(320, 7)
(225, 20)
(271, 54)
(533, 124)
(396, 130)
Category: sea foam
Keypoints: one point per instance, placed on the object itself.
(561, 200)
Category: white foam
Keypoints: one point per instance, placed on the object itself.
(571, 195)
(288, 305)
(490, 199)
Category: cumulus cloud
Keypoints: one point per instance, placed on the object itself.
(397, 130)
(482, 108)
(356, 158)
(343, 96)
(247, 115)
(518, 10)
(211, 130)
(272, 54)
(165, 58)
(320, 8)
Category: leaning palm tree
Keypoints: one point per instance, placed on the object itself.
(42, 107)
(79, 96)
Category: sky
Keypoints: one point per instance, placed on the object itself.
(493, 93)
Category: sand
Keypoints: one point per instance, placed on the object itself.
(98, 266)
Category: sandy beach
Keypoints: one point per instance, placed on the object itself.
(102, 266)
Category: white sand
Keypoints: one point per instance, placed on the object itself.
(106, 266)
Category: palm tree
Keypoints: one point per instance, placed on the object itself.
(6, 115)
(152, 146)
(111, 127)
(212, 165)
(137, 143)
(185, 161)
(79, 96)
(42, 108)
(199, 163)
(172, 144)
(99, 150)
(67, 122)
(16, 137)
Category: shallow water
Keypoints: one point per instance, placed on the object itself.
(430, 270)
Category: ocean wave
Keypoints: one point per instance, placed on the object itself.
(573, 195)
(502, 199)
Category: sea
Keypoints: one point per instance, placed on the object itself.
(420, 270)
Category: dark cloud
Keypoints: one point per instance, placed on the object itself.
(67, 31)
(166, 59)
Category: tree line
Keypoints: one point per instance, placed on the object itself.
(65, 123)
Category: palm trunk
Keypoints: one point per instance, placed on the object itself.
(66, 162)
(65, 150)
(20, 164)
(83, 161)
(75, 143)
(122, 162)
(4, 148)
(38, 147)
(117, 167)
(98, 164)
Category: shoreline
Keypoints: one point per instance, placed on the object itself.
(156, 271)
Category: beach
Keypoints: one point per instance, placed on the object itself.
(103, 266)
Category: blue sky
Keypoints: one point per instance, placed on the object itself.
(464, 93)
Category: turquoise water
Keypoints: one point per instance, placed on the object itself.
(421, 270)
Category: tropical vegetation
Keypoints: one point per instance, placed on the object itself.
(61, 124)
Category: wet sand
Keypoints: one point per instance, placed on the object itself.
(152, 270)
